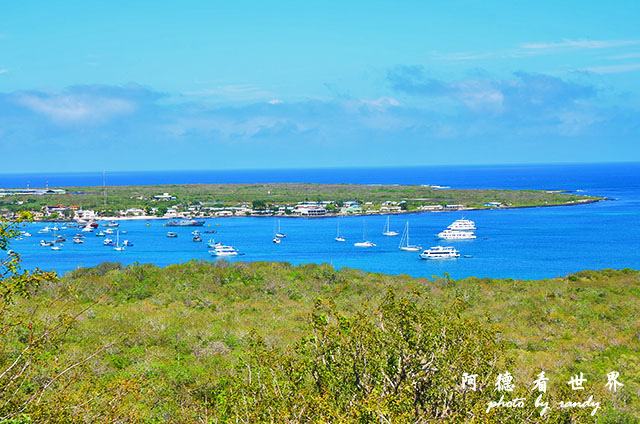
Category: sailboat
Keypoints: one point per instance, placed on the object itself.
(404, 241)
(387, 231)
(279, 234)
(118, 247)
(338, 238)
(364, 243)
(276, 239)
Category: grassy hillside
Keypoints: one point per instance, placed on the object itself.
(197, 341)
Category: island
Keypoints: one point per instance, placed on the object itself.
(283, 199)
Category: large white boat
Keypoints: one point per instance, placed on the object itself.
(387, 231)
(222, 250)
(440, 252)
(404, 241)
(462, 225)
(456, 235)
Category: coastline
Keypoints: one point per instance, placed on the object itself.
(155, 218)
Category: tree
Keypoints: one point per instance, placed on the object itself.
(161, 210)
(258, 204)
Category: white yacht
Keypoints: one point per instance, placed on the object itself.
(221, 250)
(440, 252)
(276, 240)
(456, 235)
(387, 231)
(404, 241)
(462, 225)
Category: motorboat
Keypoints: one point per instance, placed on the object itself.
(197, 238)
(46, 243)
(56, 248)
(364, 244)
(111, 224)
(440, 252)
(455, 235)
(213, 243)
(172, 234)
(108, 231)
(222, 250)
(108, 242)
(127, 243)
(78, 241)
(100, 234)
(276, 240)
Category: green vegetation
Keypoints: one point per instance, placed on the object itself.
(120, 198)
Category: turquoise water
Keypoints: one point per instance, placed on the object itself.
(516, 243)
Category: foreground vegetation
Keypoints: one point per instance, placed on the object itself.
(271, 342)
(120, 198)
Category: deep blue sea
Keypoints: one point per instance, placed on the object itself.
(513, 243)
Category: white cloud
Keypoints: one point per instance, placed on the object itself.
(3, 71)
(275, 101)
(71, 109)
(613, 69)
(580, 44)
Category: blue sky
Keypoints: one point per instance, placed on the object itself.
(86, 86)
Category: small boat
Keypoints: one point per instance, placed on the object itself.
(25, 234)
(64, 227)
(222, 250)
(172, 234)
(276, 240)
(468, 256)
(196, 238)
(440, 252)
(127, 243)
(195, 233)
(387, 231)
(45, 230)
(404, 241)
(111, 224)
(213, 243)
(364, 243)
(338, 237)
(118, 247)
(60, 239)
(55, 228)
(280, 234)
(124, 232)
(45, 243)
(100, 234)
(56, 248)
(78, 236)
(108, 231)
(88, 228)
(78, 241)
(185, 223)
(210, 231)
(107, 242)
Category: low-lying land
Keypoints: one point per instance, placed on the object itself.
(270, 342)
(213, 199)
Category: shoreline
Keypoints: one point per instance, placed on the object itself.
(153, 217)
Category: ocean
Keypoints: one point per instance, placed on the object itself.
(528, 243)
